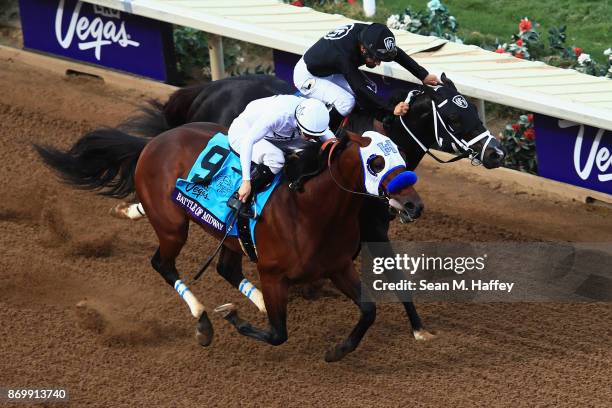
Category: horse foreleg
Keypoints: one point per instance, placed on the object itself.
(347, 281)
(229, 267)
(164, 262)
(419, 333)
(127, 211)
(275, 291)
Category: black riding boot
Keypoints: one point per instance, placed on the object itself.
(261, 177)
(335, 120)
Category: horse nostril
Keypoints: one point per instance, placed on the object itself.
(410, 206)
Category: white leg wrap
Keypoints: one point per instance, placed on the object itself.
(135, 211)
(195, 307)
(250, 291)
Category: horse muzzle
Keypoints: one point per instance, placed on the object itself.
(493, 157)
(407, 212)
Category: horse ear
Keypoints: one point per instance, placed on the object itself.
(360, 140)
(430, 92)
(446, 81)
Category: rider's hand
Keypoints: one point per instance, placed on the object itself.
(431, 79)
(244, 191)
(400, 109)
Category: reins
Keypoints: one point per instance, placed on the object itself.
(334, 143)
(466, 146)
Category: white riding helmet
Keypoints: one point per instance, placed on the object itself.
(312, 118)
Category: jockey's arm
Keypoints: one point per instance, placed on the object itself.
(358, 84)
(258, 131)
(414, 68)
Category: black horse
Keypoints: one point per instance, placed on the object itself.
(438, 117)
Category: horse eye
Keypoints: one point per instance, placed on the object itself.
(377, 164)
(455, 121)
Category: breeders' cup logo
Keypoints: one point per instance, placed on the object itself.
(339, 32)
(389, 43)
(92, 34)
(460, 101)
(224, 185)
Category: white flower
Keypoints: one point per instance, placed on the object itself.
(407, 19)
(608, 52)
(393, 21)
(434, 5)
(584, 58)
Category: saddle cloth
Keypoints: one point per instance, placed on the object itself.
(214, 177)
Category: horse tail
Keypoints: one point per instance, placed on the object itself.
(150, 120)
(103, 160)
(155, 117)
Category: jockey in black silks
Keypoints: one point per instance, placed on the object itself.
(329, 70)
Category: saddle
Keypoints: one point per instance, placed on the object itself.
(302, 161)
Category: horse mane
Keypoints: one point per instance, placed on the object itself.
(312, 161)
(362, 119)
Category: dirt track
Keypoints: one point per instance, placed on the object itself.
(133, 344)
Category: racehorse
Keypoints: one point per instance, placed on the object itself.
(439, 117)
(298, 239)
(223, 100)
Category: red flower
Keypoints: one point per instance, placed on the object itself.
(529, 134)
(577, 51)
(525, 25)
(351, 1)
(298, 3)
(519, 42)
(519, 55)
(530, 117)
(516, 127)
(500, 50)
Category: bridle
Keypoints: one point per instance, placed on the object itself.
(466, 146)
(391, 202)
(334, 143)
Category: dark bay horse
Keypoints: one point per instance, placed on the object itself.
(439, 117)
(299, 240)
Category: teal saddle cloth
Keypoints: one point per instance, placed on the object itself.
(213, 178)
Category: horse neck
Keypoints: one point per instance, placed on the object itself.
(420, 122)
(323, 191)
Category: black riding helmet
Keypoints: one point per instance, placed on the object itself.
(379, 42)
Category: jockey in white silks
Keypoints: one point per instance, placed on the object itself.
(280, 118)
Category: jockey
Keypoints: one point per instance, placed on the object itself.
(328, 71)
(275, 118)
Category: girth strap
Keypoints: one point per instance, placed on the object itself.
(245, 238)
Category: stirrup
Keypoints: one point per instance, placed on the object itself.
(244, 210)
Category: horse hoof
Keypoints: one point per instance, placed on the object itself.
(225, 310)
(423, 335)
(120, 211)
(336, 354)
(204, 331)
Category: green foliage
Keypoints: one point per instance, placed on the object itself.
(193, 58)
(191, 48)
(436, 21)
(259, 69)
(519, 141)
(486, 20)
(313, 3)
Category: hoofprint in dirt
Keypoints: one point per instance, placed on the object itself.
(81, 308)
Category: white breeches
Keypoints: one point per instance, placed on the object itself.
(263, 151)
(332, 90)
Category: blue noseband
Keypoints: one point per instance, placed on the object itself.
(402, 180)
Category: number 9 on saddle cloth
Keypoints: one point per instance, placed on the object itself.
(216, 175)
